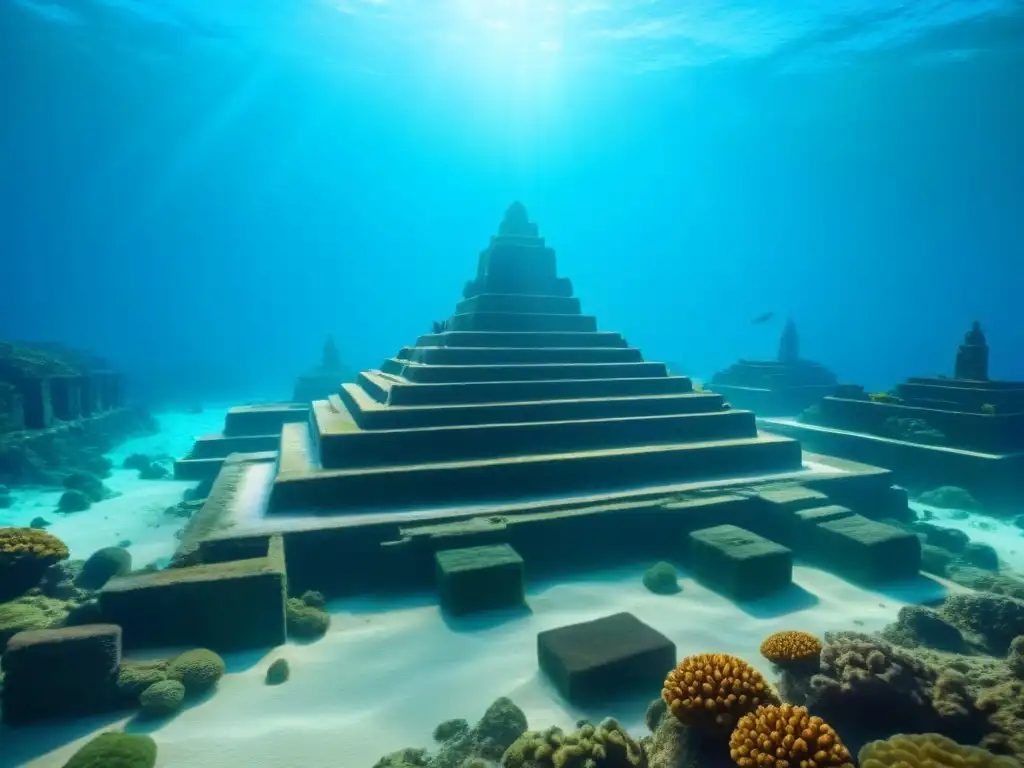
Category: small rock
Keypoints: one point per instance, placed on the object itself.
(278, 672)
(980, 556)
(124, 543)
(959, 514)
(137, 461)
(39, 523)
(73, 501)
(162, 698)
(102, 566)
(154, 472)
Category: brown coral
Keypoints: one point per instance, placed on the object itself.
(19, 542)
(715, 689)
(792, 646)
(928, 749)
(783, 736)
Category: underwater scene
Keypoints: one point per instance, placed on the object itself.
(511, 384)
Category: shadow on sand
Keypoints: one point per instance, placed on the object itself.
(22, 745)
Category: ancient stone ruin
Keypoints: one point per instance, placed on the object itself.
(323, 380)
(520, 394)
(781, 387)
(967, 430)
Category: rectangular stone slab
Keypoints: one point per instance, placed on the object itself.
(738, 563)
(57, 673)
(610, 657)
(223, 606)
(476, 579)
(867, 551)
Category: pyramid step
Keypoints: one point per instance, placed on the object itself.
(384, 389)
(521, 339)
(343, 444)
(517, 321)
(434, 374)
(521, 477)
(520, 303)
(370, 413)
(519, 355)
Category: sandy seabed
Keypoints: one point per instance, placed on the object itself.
(389, 671)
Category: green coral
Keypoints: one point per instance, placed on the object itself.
(661, 579)
(278, 672)
(604, 746)
(198, 670)
(162, 698)
(137, 676)
(305, 621)
(26, 613)
(102, 566)
(115, 750)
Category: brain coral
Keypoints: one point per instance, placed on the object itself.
(198, 670)
(928, 750)
(122, 750)
(783, 736)
(604, 746)
(715, 690)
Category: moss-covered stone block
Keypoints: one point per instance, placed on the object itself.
(476, 579)
(607, 658)
(54, 673)
(738, 563)
(224, 606)
(867, 551)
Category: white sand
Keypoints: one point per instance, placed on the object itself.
(388, 672)
(137, 515)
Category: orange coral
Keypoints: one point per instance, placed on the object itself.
(791, 646)
(20, 542)
(785, 736)
(714, 689)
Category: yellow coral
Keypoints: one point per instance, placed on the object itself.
(16, 542)
(790, 646)
(714, 689)
(784, 736)
(928, 749)
(988, 409)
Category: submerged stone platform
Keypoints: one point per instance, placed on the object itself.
(516, 395)
(785, 386)
(966, 431)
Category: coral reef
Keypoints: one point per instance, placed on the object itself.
(662, 579)
(115, 750)
(603, 746)
(917, 626)
(928, 750)
(25, 555)
(162, 698)
(198, 670)
(713, 690)
(995, 619)
(785, 735)
(305, 621)
(912, 431)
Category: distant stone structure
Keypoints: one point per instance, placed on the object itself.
(967, 430)
(324, 380)
(972, 356)
(782, 387)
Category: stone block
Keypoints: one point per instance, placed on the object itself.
(614, 656)
(479, 579)
(55, 673)
(738, 563)
(225, 606)
(867, 551)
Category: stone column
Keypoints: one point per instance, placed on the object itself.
(66, 396)
(35, 393)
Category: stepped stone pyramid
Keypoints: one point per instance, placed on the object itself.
(781, 387)
(517, 395)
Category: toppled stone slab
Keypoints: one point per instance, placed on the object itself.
(223, 606)
(476, 579)
(66, 672)
(867, 551)
(616, 655)
(740, 564)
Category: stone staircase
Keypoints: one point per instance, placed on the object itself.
(516, 395)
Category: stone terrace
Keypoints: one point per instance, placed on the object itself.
(518, 394)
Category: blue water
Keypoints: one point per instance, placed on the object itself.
(201, 191)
